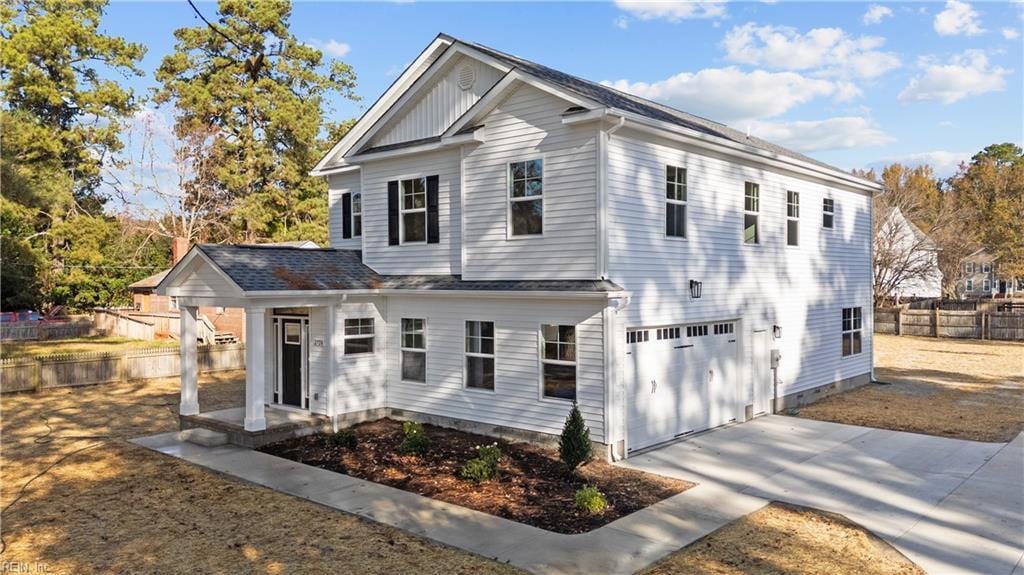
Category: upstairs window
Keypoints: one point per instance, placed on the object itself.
(357, 214)
(828, 213)
(480, 355)
(526, 202)
(358, 335)
(852, 325)
(558, 360)
(986, 268)
(969, 267)
(414, 210)
(792, 218)
(751, 209)
(414, 350)
(675, 202)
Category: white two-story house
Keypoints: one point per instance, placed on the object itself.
(507, 238)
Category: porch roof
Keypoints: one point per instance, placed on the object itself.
(261, 269)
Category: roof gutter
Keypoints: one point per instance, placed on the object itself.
(441, 292)
(476, 136)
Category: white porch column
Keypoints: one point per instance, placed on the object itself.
(187, 336)
(255, 357)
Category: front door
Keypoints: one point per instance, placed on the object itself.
(291, 362)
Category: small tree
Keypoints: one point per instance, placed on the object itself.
(574, 448)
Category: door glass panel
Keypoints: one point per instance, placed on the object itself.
(292, 334)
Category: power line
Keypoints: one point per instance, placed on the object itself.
(85, 266)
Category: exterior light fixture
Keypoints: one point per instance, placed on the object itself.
(695, 289)
(777, 331)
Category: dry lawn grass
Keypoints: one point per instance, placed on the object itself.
(969, 389)
(78, 345)
(781, 538)
(108, 506)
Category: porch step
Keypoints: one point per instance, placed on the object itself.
(204, 437)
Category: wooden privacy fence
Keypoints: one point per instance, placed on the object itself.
(125, 322)
(1006, 326)
(35, 373)
(43, 330)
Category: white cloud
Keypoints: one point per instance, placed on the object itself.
(946, 124)
(672, 10)
(829, 50)
(839, 133)
(732, 95)
(964, 75)
(958, 18)
(875, 14)
(331, 47)
(1011, 33)
(944, 163)
(622, 22)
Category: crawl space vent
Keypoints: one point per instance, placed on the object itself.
(467, 77)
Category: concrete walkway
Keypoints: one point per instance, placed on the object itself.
(951, 506)
(622, 546)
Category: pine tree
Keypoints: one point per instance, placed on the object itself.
(574, 448)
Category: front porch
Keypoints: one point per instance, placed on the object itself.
(280, 424)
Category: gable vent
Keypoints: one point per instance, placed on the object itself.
(467, 77)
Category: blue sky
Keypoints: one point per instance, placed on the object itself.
(854, 84)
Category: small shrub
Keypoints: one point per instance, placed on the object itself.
(345, 438)
(591, 500)
(484, 466)
(489, 453)
(416, 441)
(478, 470)
(574, 448)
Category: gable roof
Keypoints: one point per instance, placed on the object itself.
(267, 268)
(150, 282)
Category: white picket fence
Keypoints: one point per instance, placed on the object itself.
(42, 372)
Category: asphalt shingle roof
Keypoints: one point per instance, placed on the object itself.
(278, 268)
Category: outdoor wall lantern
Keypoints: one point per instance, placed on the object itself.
(777, 331)
(695, 287)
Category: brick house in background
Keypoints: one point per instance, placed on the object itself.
(229, 322)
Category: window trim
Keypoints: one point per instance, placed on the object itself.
(969, 284)
(986, 285)
(986, 268)
(756, 213)
(684, 202)
(852, 330)
(359, 214)
(790, 218)
(831, 212)
(467, 354)
(345, 337)
(541, 361)
(402, 349)
(402, 211)
(508, 197)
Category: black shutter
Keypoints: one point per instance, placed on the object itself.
(433, 233)
(346, 216)
(393, 213)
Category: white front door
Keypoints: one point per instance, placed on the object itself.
(764, 388)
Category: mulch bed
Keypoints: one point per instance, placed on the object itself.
(532, 485)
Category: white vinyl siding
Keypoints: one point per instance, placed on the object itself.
(319, 358)
(443, 257)
(802, 289)
(526, 125)
(516, 400)
(339, 184)
(359, 379)
(440, 104)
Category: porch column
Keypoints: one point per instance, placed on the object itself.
(255, 357)
(187, 337)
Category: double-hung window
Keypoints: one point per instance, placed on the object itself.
(969, 285)
(751, 209)
(359, 335)
(792, 218)
(986, 268)
(969, 267)
(414, 350)
(852, 325)
(986, 285)
(558, 360)
(480, 355)
(675, 202)
(526, 201)
(357, 214)
(828, 213)
(414, 210)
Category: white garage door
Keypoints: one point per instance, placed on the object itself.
(681, 379)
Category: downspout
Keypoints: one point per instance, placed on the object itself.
(602, 197)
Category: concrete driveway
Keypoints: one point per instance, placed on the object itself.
(951, 506)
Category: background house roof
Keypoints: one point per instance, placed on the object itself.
(260, 268)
